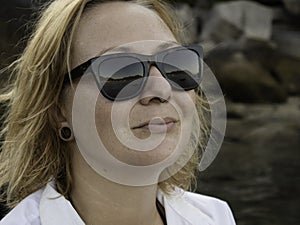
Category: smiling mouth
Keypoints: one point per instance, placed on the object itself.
(157, 125)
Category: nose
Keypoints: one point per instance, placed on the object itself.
(157, 88)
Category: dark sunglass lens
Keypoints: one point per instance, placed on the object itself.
(121, 78)
(123, 89)
(183, 68)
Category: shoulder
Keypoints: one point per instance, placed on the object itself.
(26, 212)
(185, 207)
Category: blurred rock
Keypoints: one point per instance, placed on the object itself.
(266, 124)
(203, 3)
(287, 39)
(287, 69)
(258, 51)
(274, 134)
(293, 6)
(276, 124)
(238, 18)
(270, 2)
(218, 54)
(248, 82)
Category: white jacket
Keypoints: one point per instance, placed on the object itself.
(44, 207)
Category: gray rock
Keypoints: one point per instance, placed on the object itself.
(270, 2)
(287, 40)
(261, 52)
(276, 124)
(293, 6)
(267, 124)
(238, 18)
(245, 81)
(288, 71)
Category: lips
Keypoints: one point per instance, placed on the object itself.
(158, 124)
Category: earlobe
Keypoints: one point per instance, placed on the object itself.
(65, 132)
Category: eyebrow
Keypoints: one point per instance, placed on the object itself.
(129, 49)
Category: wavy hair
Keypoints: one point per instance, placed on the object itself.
(32, 153)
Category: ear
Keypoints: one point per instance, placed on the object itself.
(62, 115)
(57, 114)
(59, 120)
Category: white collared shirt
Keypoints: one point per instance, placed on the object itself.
(47, 207)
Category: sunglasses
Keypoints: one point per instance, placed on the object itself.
(122, 76)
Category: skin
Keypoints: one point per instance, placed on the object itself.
(97, 199)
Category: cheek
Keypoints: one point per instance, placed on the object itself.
(103, 120)
(103, 113)
(186, 102)
(192, 95)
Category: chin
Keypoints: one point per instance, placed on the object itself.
(167, 152)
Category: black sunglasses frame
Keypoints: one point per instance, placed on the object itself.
(146, 60)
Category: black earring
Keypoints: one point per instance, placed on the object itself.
(65, 132)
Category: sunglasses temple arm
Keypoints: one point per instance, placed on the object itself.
(78, 71)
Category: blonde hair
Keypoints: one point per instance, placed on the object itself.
(32, 152)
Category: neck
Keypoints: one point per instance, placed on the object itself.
(100, 201)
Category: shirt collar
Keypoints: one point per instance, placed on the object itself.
(56, 209)
(181, 212)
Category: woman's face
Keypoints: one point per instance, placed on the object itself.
(143, 131)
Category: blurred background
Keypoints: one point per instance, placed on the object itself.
(253, 48)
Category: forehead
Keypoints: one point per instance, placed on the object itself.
(108, 25)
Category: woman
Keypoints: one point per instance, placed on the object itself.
(99, 128)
